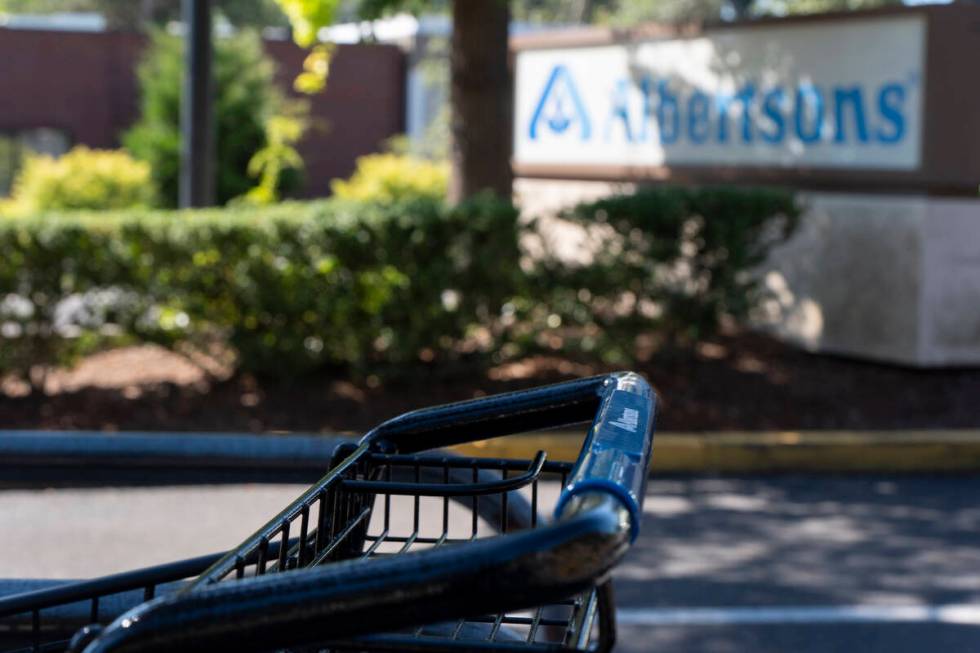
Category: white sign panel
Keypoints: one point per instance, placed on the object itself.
(834, 94)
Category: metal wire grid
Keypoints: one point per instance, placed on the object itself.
(341, 520)
(566, 625)
(571, 625)
(380, 505)
(48, 623)
(331, 522)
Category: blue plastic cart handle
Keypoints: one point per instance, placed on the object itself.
(616, 454)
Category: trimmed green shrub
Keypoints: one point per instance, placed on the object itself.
(245, 99)
(394, 178)
(665, 261)
(369, 285)
(81, 179)
(290, 288)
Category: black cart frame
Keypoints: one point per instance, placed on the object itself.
(332, 571)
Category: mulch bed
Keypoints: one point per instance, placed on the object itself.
(734, 382)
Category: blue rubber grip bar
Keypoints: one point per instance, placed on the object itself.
(616, 454)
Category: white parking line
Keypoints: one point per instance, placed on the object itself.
(964, 613)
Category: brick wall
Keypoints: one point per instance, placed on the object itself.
(362, 106)
(84, 84)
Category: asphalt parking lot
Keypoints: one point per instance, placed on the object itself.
(790, 563)
(805, 564)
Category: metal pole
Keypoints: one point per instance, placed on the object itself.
(197, 144)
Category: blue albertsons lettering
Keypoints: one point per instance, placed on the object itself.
(809, 100)
(699, 117)
(890, 101)
(844, 97)
(620, 110)
(565, 106)
(833, 114)
(771, 103)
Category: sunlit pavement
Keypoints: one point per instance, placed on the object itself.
(805, 564)
(753, 564)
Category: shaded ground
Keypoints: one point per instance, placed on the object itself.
(740, 546)
(747, 545)
(743, 382)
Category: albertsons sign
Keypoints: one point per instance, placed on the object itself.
(842, 94)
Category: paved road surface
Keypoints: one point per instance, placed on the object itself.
(810, 547)
(723, 565)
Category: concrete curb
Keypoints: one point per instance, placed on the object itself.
(921, 452)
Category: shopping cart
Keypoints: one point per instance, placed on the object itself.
(398, 550)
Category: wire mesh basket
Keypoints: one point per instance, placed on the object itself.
(399, 550)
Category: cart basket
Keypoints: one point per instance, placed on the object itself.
(399, 550)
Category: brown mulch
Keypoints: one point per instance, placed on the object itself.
(735, 382)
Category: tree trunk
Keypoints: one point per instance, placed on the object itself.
(480, 96)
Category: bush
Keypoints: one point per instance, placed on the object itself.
(290, 288)
(245, 99)
(394, 178)
(666, 261)
(275, 160)
(369, 285)
(81, 179)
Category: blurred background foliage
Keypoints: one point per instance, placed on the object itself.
(288, 288)
(81, 179)
(393, 177)
(133, 14)
(386, 273)
(618, 13)
(278, 160)
(251, 115)
(670, 263)
(382, 283)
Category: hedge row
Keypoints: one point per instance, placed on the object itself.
(290, 288)
(299, 286)
(666, 261)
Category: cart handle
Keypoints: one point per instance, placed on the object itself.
(547, 406)
(615, 455)
(598, 511)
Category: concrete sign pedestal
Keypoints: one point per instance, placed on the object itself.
(893, 278)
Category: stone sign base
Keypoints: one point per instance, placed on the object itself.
(889, 277)
(894, 278)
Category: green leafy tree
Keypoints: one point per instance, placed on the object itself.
(279, 156)
(245, 100)
(563, 11)
(479, 82)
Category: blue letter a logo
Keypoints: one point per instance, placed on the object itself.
(560, 106)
